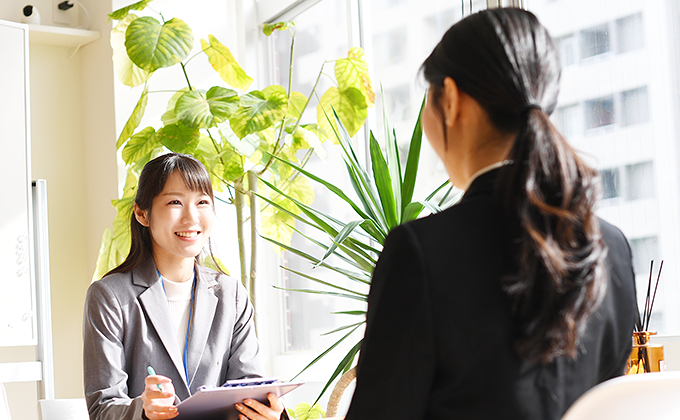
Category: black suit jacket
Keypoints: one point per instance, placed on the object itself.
(439, 343)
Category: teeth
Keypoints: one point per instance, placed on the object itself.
(186, 234)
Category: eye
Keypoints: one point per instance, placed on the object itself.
(174, 202)
(204, 202)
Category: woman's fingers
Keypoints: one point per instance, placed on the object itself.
(255, 410)
(159, 398)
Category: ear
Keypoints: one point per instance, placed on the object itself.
(450, 102)
(142, 216)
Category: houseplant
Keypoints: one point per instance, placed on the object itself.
(237, 134)
(384, 199)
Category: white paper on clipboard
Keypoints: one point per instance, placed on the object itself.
(218, 403)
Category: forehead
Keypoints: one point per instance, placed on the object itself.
(175, 183)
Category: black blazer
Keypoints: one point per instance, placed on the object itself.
(438, 342)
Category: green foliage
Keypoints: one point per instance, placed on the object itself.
(228, 129)
(304, 411)
(383, 201)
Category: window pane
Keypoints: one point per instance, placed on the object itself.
(644, 251)
(610, 183)
(594, 41)
(599, 112)
(640, 181)
(635, 107)
(629, 33)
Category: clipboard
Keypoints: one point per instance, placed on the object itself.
(218, 403)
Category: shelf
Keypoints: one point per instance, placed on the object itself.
(61, 37)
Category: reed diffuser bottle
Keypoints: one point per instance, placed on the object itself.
(645, 356)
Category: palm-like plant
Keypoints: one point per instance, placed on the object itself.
(384, 199)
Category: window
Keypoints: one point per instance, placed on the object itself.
(389, 46)
(599, 112)
(567, 47)
(624, 70)
(611, 183)
(629, 33)
(640, 181)
(595, 41)
(644, 251)
(634, 106)
(567, 120)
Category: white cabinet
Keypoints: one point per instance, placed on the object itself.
(17, 294)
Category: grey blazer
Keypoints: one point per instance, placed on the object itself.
(127, 327)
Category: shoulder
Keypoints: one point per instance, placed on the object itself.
(220, 283)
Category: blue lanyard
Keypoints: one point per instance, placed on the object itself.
(191, 309)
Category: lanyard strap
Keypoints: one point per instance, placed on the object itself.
(191, 309)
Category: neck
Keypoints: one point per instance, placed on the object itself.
(475, 149)
(178, 271)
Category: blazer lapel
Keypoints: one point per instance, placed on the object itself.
(155, 304)
(204, 309)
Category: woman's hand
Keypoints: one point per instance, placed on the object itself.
(159, 404)
(255, 410)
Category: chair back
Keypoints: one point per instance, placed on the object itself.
(653, 395)
(63, 409)
(4, 404)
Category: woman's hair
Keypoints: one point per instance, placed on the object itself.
(151, 183)
(506, 61)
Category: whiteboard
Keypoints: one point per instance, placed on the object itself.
(17, 290)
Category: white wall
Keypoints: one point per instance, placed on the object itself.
(73, 142)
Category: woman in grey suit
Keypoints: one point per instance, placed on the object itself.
(161, 308)
(515, 301)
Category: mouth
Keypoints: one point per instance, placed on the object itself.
(188, 234)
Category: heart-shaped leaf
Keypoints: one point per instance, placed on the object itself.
(140, 146)
(169, 116)
(125, 69)
(198, 109)
(178, 138)
(259, 110)
(349, 104)
(225, 64)
(269, 28)
(151, 45)
(353, 72)
(123, 11)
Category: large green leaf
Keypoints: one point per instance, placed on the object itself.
(140, 146)
(225, 64)
(126, 71)
(412, 161)
(199, 109)
(353, 72)
(259, 110)
(135, 118)
(296, 104)
(269, 28)
(383, 182)
(123, 11)
(178, 138)
(349, 104)
(169, 116)
(152, 46)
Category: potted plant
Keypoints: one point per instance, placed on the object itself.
(384, 199)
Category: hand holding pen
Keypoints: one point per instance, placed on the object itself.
(158, 397)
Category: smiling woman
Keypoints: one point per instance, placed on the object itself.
(161, 308)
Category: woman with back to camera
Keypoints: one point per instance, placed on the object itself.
(161, 308)
(515, 301)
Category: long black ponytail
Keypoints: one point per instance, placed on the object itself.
(506, 61)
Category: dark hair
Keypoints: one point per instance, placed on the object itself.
(151, 183)
(506, 61)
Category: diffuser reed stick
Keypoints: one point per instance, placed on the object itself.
(642, 323)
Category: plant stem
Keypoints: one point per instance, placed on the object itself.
(254, 219)
(184, 70)
(240, 204)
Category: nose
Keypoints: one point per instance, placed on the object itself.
(190, 214)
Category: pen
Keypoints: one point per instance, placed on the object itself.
(153, 373)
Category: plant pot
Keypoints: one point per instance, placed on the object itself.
(645, 356)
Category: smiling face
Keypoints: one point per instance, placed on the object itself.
(179, 222)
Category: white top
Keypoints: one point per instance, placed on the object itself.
(179, 302)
